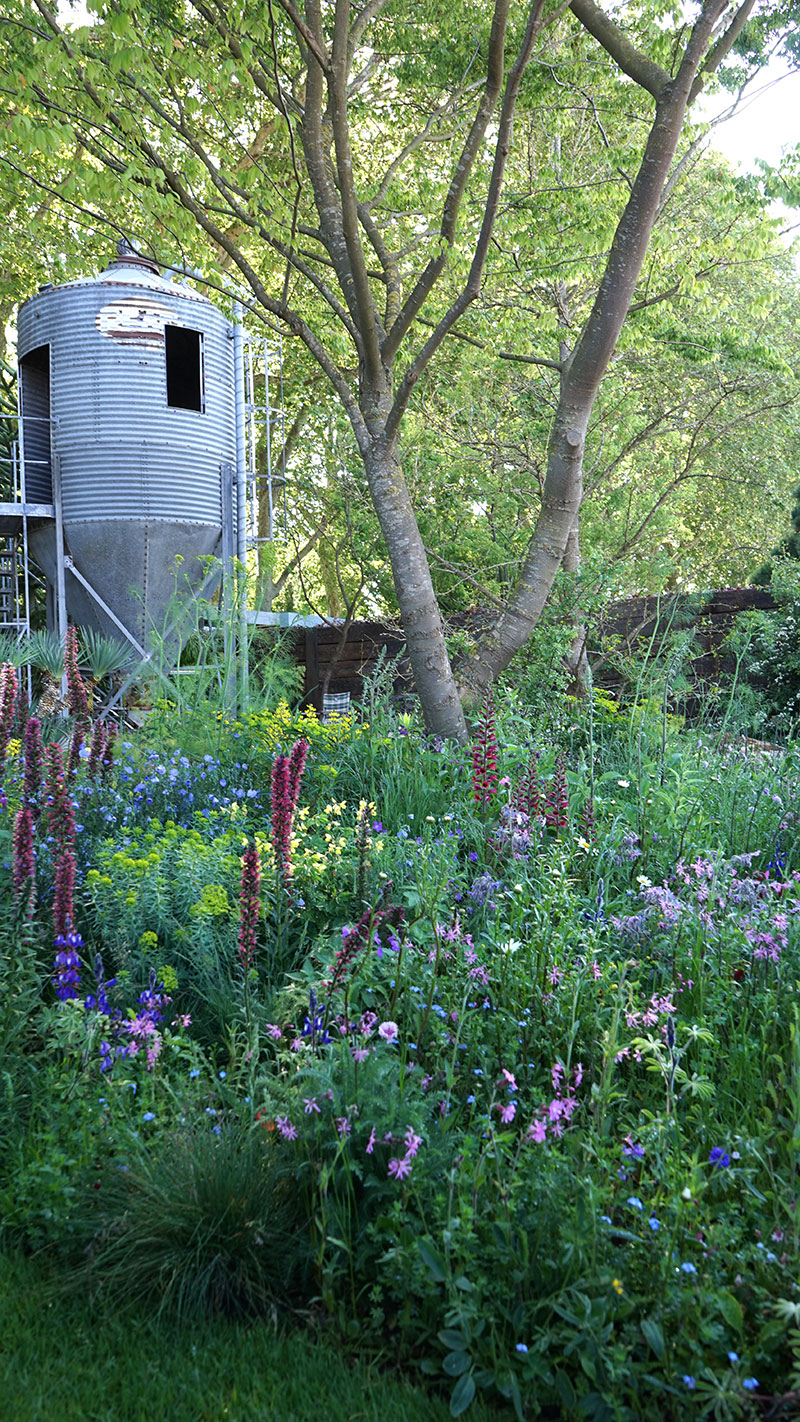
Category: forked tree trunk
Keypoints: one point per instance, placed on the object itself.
(583, 372)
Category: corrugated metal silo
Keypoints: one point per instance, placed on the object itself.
(127, 398)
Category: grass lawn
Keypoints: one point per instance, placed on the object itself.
(61, 1361)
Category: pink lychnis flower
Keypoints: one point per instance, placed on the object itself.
(413, 1143)
(400, 1168)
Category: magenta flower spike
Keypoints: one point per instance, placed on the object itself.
(8, 697)
(34, 763)
(249, 904)
(484, 753)
(23, 871)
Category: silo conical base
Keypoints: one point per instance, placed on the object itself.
(147, 572)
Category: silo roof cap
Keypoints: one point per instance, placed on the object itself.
(130, 268)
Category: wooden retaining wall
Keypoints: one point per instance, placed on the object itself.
(642, 625)
(335, 664)
(628, 629)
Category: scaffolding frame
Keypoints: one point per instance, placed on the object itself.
(263, 419)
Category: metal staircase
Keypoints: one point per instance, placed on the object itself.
(14, 588)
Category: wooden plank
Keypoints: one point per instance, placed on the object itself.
(312, 680)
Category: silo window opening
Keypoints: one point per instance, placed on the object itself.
(34, 376)
(184, 357)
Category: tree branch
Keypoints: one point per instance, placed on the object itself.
(452, 204)
(637, 66)
(473, 282)
(367, 316)
(312, 43)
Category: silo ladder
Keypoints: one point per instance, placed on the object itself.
(13, 610)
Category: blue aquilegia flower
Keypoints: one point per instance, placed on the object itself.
(67, 966)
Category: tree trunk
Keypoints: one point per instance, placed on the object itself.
(418, 604)
(419, 608)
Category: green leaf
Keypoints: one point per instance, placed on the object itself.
(565, 1389)
(652, 1332)
(433, 1260)
(462, 1395)
(596, 1407)
(457, 1363)
(731, 1310)
(453, 1337)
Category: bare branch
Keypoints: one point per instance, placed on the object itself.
(365, 315)
(312, 43)
(458, 182)
(365, 16)
(727, 40)
(464, 577)
(531, 360)
(316, 148)
(473, 282)
(390, 270)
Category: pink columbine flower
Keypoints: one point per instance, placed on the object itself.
(388, 1031)
(400, 1168)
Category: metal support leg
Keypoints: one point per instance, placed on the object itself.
(61, 584)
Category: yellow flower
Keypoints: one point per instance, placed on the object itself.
(617, 1286)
